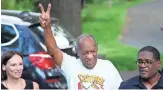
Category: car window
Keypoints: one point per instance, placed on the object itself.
(30, 43)
(7, 33)
(38, 34)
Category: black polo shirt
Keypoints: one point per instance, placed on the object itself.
(135, 83)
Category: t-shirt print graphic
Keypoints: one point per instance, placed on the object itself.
(90, 82)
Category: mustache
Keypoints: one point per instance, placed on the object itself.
(143, 70)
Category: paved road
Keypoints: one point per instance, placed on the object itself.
(143, 25)
(126, 74)
(143, 28)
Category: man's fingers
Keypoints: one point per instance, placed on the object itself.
(42, 16)
(49, 8)
(42, 8)
(45, 16)
(42, 22)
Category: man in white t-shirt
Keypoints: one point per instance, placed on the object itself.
(87, 72)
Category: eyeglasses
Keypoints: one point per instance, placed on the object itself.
(146, 63)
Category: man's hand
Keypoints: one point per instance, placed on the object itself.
(45, 16)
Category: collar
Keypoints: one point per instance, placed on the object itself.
(137, 81)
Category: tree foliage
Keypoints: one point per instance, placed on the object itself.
(103, 1)
(27, 5)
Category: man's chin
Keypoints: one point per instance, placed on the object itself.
(144, 77)
(90, 66)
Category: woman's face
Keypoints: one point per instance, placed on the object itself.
(14, 67)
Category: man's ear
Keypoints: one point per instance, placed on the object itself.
(97, 48)
(159, 63)
(77, 52)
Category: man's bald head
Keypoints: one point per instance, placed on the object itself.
(87, 50)
(85, 38)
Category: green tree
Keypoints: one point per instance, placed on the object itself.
(27, 5)
(68, 12)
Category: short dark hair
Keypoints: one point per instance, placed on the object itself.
(4, 59)
(156, 53)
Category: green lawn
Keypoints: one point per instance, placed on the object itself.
(105, 24)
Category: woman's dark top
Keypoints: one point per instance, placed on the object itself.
(29, 85)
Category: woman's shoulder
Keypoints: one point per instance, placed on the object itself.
(31, 85)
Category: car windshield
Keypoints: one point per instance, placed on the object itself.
(38, 34)
(30, 43)
(58, 29)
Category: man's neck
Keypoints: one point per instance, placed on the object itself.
(149, 83)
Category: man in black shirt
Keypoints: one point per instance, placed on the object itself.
(149, 75)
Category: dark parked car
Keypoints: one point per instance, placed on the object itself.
(38, 65)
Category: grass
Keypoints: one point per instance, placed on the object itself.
(105, 24)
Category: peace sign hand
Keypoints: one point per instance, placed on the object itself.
(45, 20)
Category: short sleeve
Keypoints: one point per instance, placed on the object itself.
(68, 63)
(114, 77)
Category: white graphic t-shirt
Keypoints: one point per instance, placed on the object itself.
(104, 76)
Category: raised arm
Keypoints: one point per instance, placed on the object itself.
(50, 42)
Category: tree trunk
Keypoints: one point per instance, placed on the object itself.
(68, 12)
